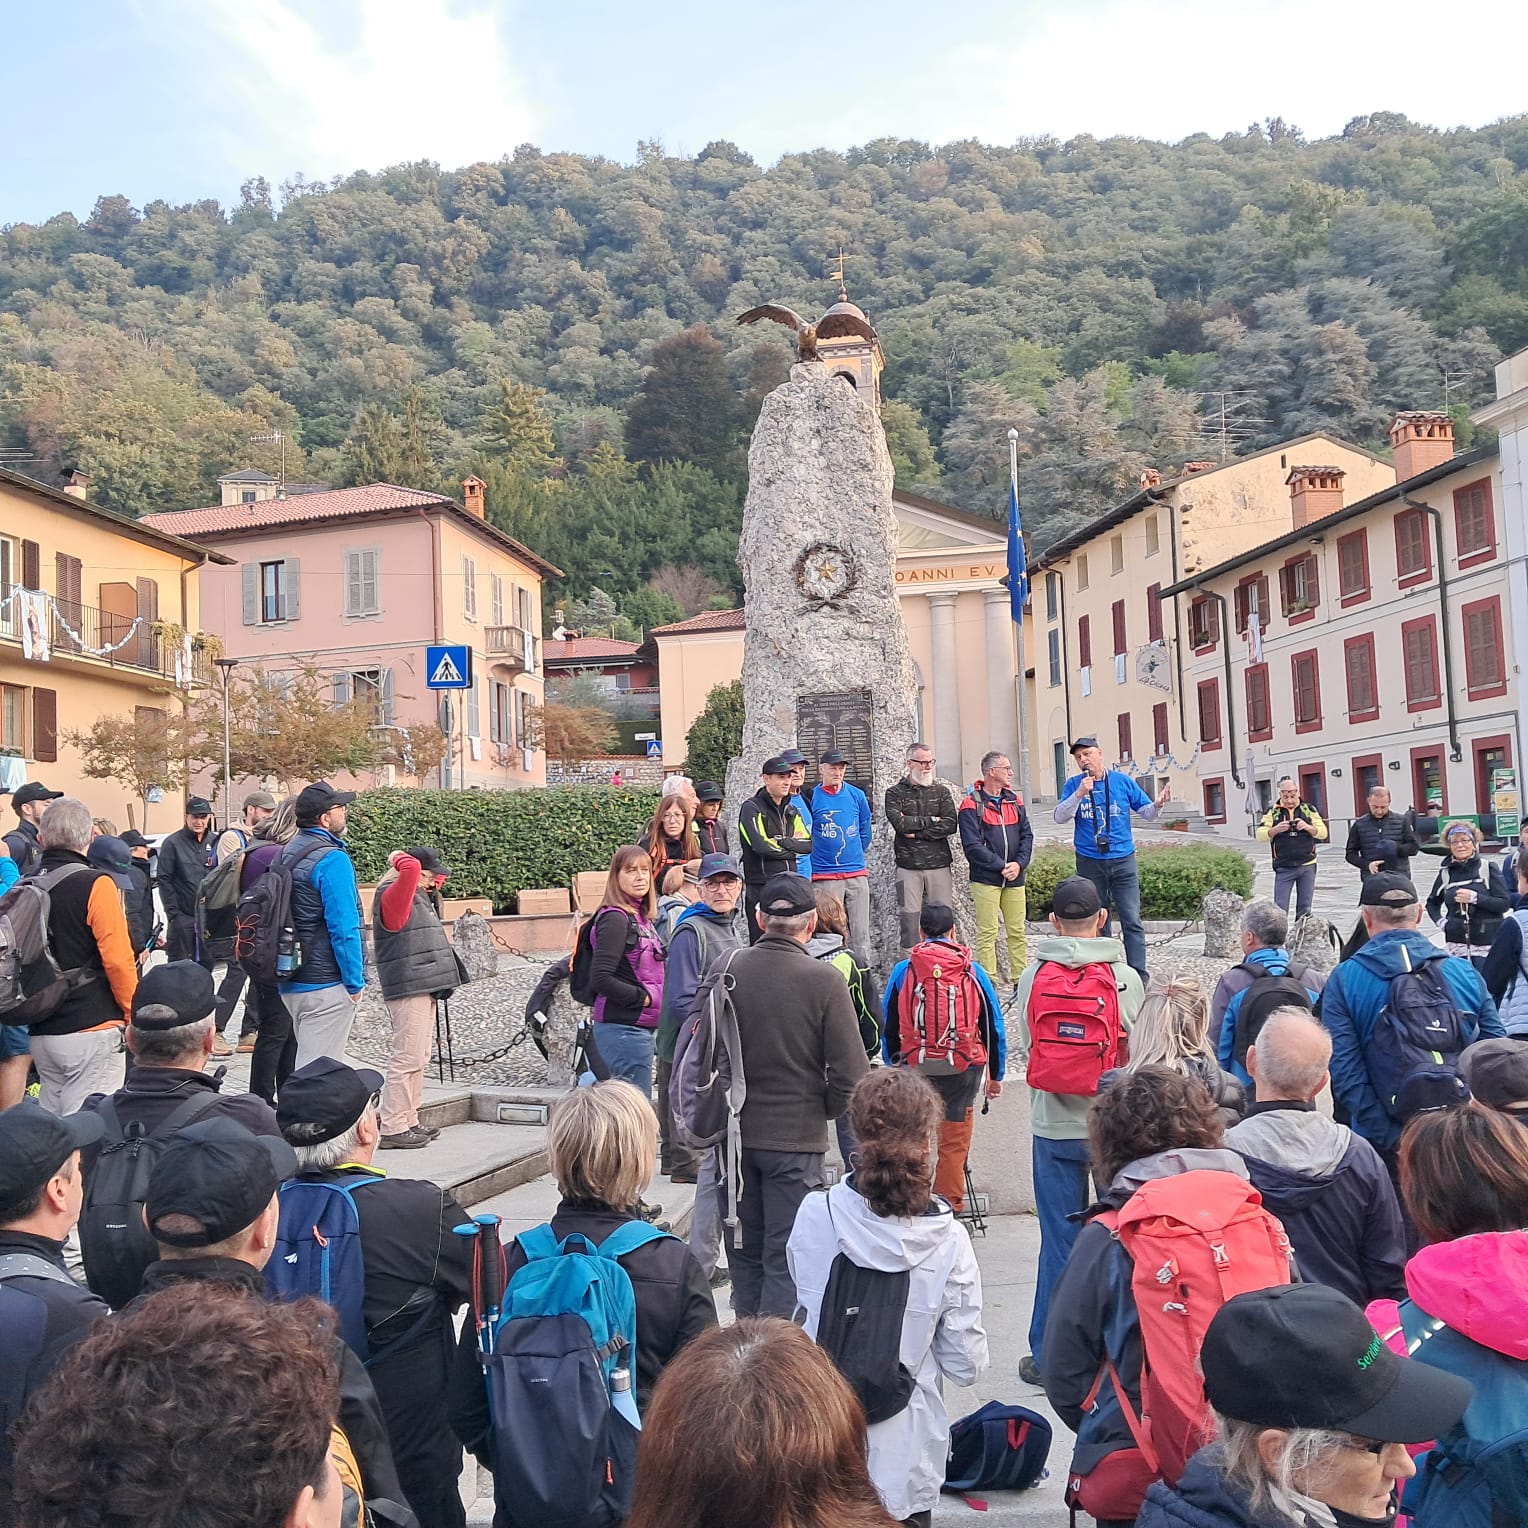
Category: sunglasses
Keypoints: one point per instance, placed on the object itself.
(1365, 1445)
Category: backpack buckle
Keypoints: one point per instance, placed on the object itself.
(1222, 1258)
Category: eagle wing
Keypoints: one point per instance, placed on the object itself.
(834, 326)
(773, 310)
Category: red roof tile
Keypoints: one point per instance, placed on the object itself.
(707, 620)
(586, 649)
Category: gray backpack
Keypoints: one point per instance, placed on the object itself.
(707, 1089)
(32, 983)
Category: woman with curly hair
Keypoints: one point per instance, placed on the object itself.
(885, 1216)
(1173, 1030)
(1153, 1122)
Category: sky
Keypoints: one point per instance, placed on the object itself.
(185, 99)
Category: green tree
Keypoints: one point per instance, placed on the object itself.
(687, 409)
(715, 737)
(912, 452)
(518, 430)
(373, 451)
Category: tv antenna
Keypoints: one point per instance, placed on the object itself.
(275, 438)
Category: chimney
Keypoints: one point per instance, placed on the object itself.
(1190, 468)
(76, 483)
(1314, 493)
(1421, 438)
(472, 495)
(1151, 478)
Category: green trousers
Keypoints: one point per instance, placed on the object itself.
(1009, 903)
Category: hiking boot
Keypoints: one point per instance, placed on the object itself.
(720, 1277)
(246, 1044)
(433, 1131)
(220, 1047)
(648, 1212)
(405, 1140)
(683, 1175)
(1029, 1370)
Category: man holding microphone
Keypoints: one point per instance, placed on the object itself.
(1098, 803)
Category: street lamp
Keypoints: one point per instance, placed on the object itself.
(228, 665)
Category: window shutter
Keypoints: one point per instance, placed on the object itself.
(474, 711)
(1159, 727)
(291, 589)
(341, 690)
(385, 706)
(1262, 600)
(1117, 615)
(251, 575)
(1084, 642)
(45, 726)
(353, 596)
(1242, 598)
(1154, 613)
(31, 565)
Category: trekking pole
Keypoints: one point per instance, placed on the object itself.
(440, 1073)
(487, 1276)
(445, 1003)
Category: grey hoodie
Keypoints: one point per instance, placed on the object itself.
(1062, 1116)
(1300, 1141)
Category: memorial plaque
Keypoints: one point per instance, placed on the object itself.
(841, 720)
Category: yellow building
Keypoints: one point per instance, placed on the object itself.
(1111, 659)
(99, 616)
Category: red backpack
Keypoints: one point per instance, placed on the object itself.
(940, 1003)
(1193, 1241)
(1075, 1031)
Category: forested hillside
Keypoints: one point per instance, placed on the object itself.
(563, 325)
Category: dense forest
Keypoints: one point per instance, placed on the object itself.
(563, 325)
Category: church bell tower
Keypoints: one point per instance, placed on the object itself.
(857, 361)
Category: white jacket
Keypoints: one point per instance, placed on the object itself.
(942, 1336)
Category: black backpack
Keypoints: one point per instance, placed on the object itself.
(581, 972)
(860, 1329)
(1420, 1027)
(114, 1241)
(263, 919)
(1266, 994)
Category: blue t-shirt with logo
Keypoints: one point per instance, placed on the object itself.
(1101, 829)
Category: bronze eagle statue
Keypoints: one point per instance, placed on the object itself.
(840, 321)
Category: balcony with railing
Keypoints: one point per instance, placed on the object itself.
(91, 635)
(508, 645)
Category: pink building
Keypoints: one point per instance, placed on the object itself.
(359, 581)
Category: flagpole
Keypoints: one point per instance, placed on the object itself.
(1023, 760)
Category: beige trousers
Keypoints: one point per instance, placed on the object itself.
(413, 1030)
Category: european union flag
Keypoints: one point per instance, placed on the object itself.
(1018, 572)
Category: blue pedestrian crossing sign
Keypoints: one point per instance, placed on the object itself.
(448, 668)
(655, 749)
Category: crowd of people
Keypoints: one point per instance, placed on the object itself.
(1250, 1309)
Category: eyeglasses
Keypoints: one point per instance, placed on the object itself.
(1365, 1445)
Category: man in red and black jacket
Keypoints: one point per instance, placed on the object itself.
(77, 1049)
(999, 843)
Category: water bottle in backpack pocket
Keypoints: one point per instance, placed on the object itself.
(1419, 1027)
(560, 1382)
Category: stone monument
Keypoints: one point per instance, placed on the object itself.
(825, 655)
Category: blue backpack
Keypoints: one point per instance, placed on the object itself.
(318, 1251)
(560, 1378)
(1419, 1026)
(1475, 1475)
(997, 1448)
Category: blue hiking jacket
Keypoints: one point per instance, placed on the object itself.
(326, 913)
(840, 831)
(994, 1036)
(803, 861)
(1351, 1001)
(1278, 962)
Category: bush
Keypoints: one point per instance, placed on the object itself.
(1174, 877)
(497, 842)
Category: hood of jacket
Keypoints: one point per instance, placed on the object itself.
(1395, 951)
(1168, 1164)
(700, 910)
(885, 1243)
(1301, 1142)
(1478, 1285)
(1204, 1498)
(825, 943)
(1065, 950)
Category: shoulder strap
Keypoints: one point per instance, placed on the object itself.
(183, 1113)
(627, 1238)
(107, 1111)
(539, 1242)
(51, 878)
(28, 1265)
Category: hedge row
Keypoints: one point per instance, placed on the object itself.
(498, 842)
(1174, 877)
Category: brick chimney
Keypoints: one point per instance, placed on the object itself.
(1421, 438)
(1190, 468)
(75, 483)
(1314, 493)
(472, 495)
(1151, 478)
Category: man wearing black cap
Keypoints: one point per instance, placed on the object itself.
(773, 833)
(211, 1207)
(415, 966)
(709, 827)
(185, 857)
(322, 990)
(43, 1312)
(1361, 989)
(30, 801)
(802, 1055)
(1098, 803)
(417, 1273)
(798, 762)
(1497, 1074)
(841, 832)
(170, 1035)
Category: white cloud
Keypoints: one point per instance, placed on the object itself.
(399, 80)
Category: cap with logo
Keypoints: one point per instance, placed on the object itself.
(787, 896)
(1304, 1355)
(113, 856)
(35, 1143)
(169, 996)
(718, 864)
(1497, 1072)
(324, 1099)
(1388, 889)
(834, 756)
(32, 791)
(778, 765)
(1076, 897)
(708, 790)
(794, 757)
(316, 799)
(219, 1177)
(198, 806)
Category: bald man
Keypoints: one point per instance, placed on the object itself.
(1328, 1186)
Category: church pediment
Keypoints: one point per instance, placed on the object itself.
(925, 525)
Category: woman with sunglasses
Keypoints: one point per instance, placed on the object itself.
(1314, 1413)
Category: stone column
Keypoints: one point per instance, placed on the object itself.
(946, 677)
(1002, 723)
